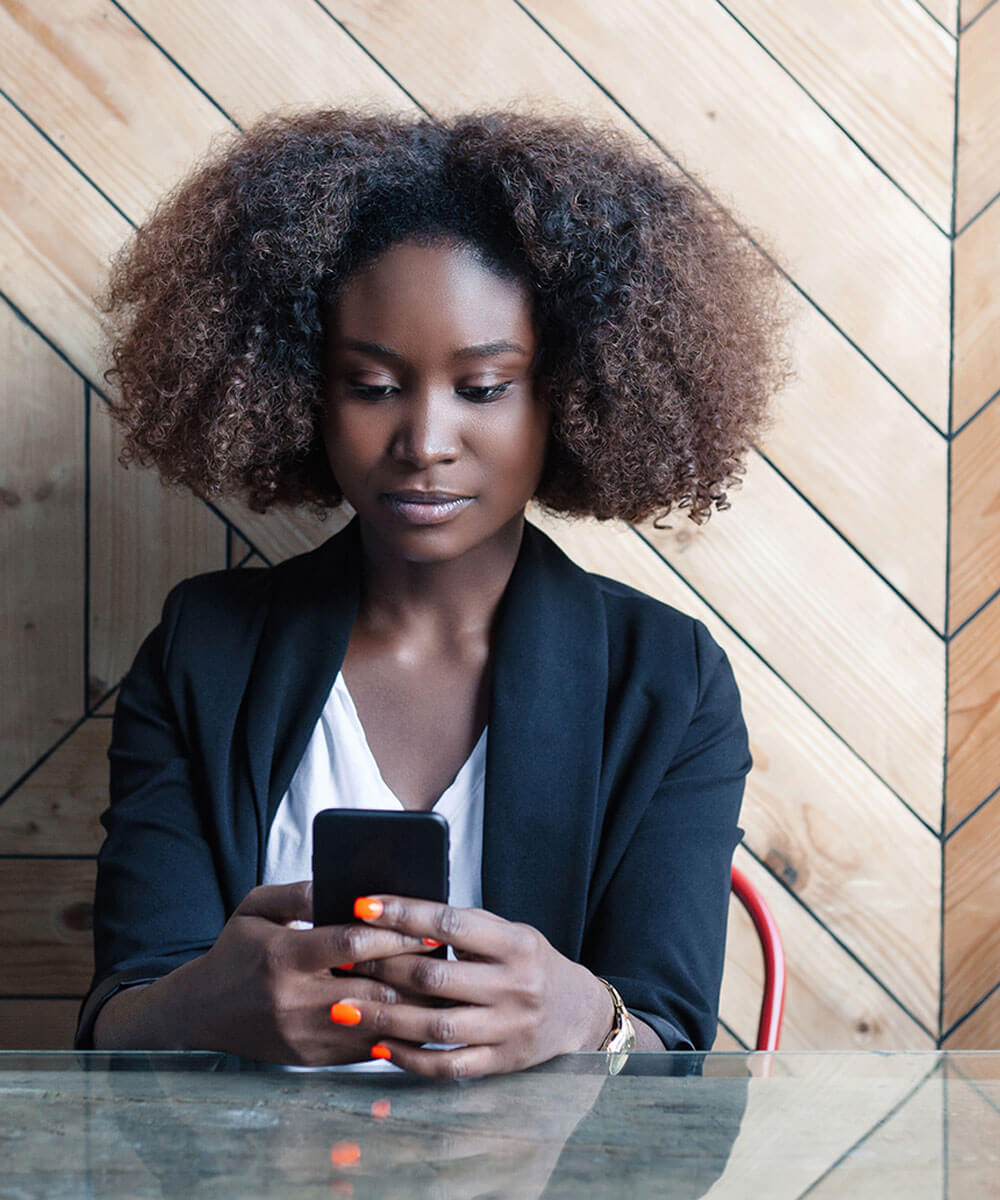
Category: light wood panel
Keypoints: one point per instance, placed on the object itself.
(973, 713)
(37, 1024)
(971, 905)
(822, 821)
(971, 9)
(692, 76)
(106, 95)
(885, 72)
(282, 532)
(834, 631)
(56, 237)
(46, 912)
(726, 1043)
(977, 314)
(981, 1030)
(131, 514)
(254, 56)
(56, 809)
(975, 515)
(946, 11)
(978, 175)
(42, 584)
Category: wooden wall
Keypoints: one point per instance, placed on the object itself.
(855, 581)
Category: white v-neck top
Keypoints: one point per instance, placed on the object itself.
(338, 770)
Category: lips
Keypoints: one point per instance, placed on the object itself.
(426, 508)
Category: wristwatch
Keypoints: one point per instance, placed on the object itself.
(620, 1042)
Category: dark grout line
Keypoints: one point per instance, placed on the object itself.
(937, 20)
(43, 758)
(246, 558)
(972, 616)
(86, 545)
(975, 1008)
(25, 320)
(755, 650)
(744, 231)
(361, 46)
(978, 413)
(173, 61)
(975, 217)
(950, 833)
(826, 112)
(735, 1036)
(982, 13)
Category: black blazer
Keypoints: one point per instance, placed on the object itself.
(615, 768)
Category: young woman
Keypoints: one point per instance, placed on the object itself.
(438, 322)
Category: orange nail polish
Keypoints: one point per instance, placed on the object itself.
(381, 1109)
(345, 1154)
(367, 908)
(381, 1050)
(430, 942)
(345, 1014)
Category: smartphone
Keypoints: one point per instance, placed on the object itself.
(364, 852)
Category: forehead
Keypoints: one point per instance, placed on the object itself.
(423, 298)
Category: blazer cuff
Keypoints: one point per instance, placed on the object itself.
(669, 1034)
(99, 996)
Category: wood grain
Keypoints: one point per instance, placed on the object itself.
(884, 72)
(46, 914)
(282, 532)
(726, 1043)
(973, 713)
(825, 824)
(144, 539)
(977, 314)
(42, 583)
(254, 56)
(978, 166)
(975, 515)
(56, 809)
(981, 1030)
(695, 79)
(971, 905)
(946, 11)
(37, 1024)
(827, 624)
(970, 9)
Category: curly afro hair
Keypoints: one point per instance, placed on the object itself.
(659, 324)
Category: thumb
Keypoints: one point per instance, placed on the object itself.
(280, 903)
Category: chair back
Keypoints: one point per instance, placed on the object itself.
(773, 1003)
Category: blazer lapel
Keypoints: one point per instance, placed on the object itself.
(546, 729)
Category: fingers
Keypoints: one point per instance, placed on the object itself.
(467, 1062)
(280, 903)
(469, 931)
(337, 945)
(471, 1024)
(421, 975)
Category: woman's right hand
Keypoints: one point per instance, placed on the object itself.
(264, 990)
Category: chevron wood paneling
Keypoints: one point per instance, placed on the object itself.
(836, 582)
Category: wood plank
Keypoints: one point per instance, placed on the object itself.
(692, 76)
(970, 9)
(971, 905)
(975, 515)
(37, 1024)
(46, 915)
(830, 1002)
(56, 236)
(281, 532)
(977, 314)
(973, 713)
(56, 809)
(814, 812)
(946, 11)
(254, 56)
(827, 624)
(978, 166)
(981, 1030)
(885, 72)
(144, 538)
(726, 1043)
(844, 437)
(42, 412)
(105, 94)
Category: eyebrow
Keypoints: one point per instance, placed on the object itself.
(485, 350)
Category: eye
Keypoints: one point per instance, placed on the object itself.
(483, 395)
(371, 391)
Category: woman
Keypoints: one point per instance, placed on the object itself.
(438, 322)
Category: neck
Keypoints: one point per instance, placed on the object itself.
(452, 599)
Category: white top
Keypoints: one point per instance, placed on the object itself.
(338, 770)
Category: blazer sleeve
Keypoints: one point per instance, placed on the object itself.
(157, 902)
(659, 932)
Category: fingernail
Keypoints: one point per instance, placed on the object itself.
(346, 967)
(430, 942)
(345, 1154)
(345, 1014)
(367, 908)
(381, 1109)
(381, 1050)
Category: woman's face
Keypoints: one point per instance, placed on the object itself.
(433, 428)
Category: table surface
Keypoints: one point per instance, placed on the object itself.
(822, 1125)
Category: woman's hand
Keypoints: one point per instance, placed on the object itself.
(516, 1001)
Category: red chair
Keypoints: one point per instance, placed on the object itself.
(773, 1004)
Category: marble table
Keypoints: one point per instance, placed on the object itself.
(792, 1125)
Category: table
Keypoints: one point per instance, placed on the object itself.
(822, 1125)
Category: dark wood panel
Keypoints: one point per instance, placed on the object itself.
(971, 908)
(46, 915)
(37, 1024)
(975, 514)
(973, 713)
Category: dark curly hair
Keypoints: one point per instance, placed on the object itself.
(659, 324)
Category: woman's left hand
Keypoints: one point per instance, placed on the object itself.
(514, 1000)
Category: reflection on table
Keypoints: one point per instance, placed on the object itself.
(718, 1125)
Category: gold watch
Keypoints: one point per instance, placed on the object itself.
(620, 1042)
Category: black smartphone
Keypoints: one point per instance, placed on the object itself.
(364, 852)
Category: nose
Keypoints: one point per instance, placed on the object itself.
(428, 431)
